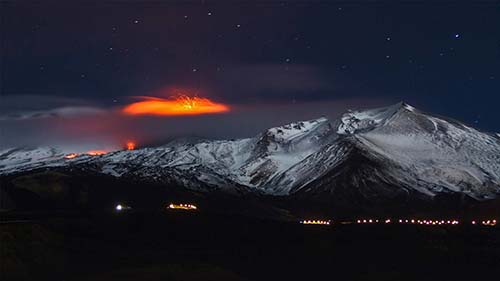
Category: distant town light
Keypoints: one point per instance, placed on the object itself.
(316, 222)
(182, 206)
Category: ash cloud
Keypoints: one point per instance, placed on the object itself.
(21, 107)
(68, 111)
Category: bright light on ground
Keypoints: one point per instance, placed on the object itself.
(182, 206)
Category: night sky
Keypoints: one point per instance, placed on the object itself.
(67, 69)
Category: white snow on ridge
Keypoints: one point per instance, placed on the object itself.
(295, 130)
(25, 157)
(438, 152)
(355, 121)
(421, 151)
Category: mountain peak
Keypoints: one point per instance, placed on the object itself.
(404, 105)
(293, 130)
(363, 120)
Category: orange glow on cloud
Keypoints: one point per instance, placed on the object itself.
(182, 105)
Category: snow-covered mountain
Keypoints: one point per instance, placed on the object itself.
(379, 153)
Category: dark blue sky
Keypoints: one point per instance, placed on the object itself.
(443, 58)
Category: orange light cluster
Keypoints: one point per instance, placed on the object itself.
(182, 206)
(320, 222)
(71, 155)
(96, 152)
(181, 105)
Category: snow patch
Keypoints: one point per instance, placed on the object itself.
(355, 121)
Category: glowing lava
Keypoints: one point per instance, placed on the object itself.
(130, 145)
(96, 152)
(182, 105)
(71, 155)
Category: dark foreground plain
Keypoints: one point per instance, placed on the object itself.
(179, 245)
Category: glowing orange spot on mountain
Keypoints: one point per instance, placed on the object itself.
(71, 155)
(96, 152)
(130, 145)
(182, 105)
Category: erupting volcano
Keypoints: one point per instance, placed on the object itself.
(181, 105)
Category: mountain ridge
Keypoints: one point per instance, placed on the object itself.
(376, 153)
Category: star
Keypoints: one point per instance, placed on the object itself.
(136, 21)
(387, 57)
(388, 38)
(287, 60)
(194, 70)
(209, 13)
(238, 25)
(457, 35)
